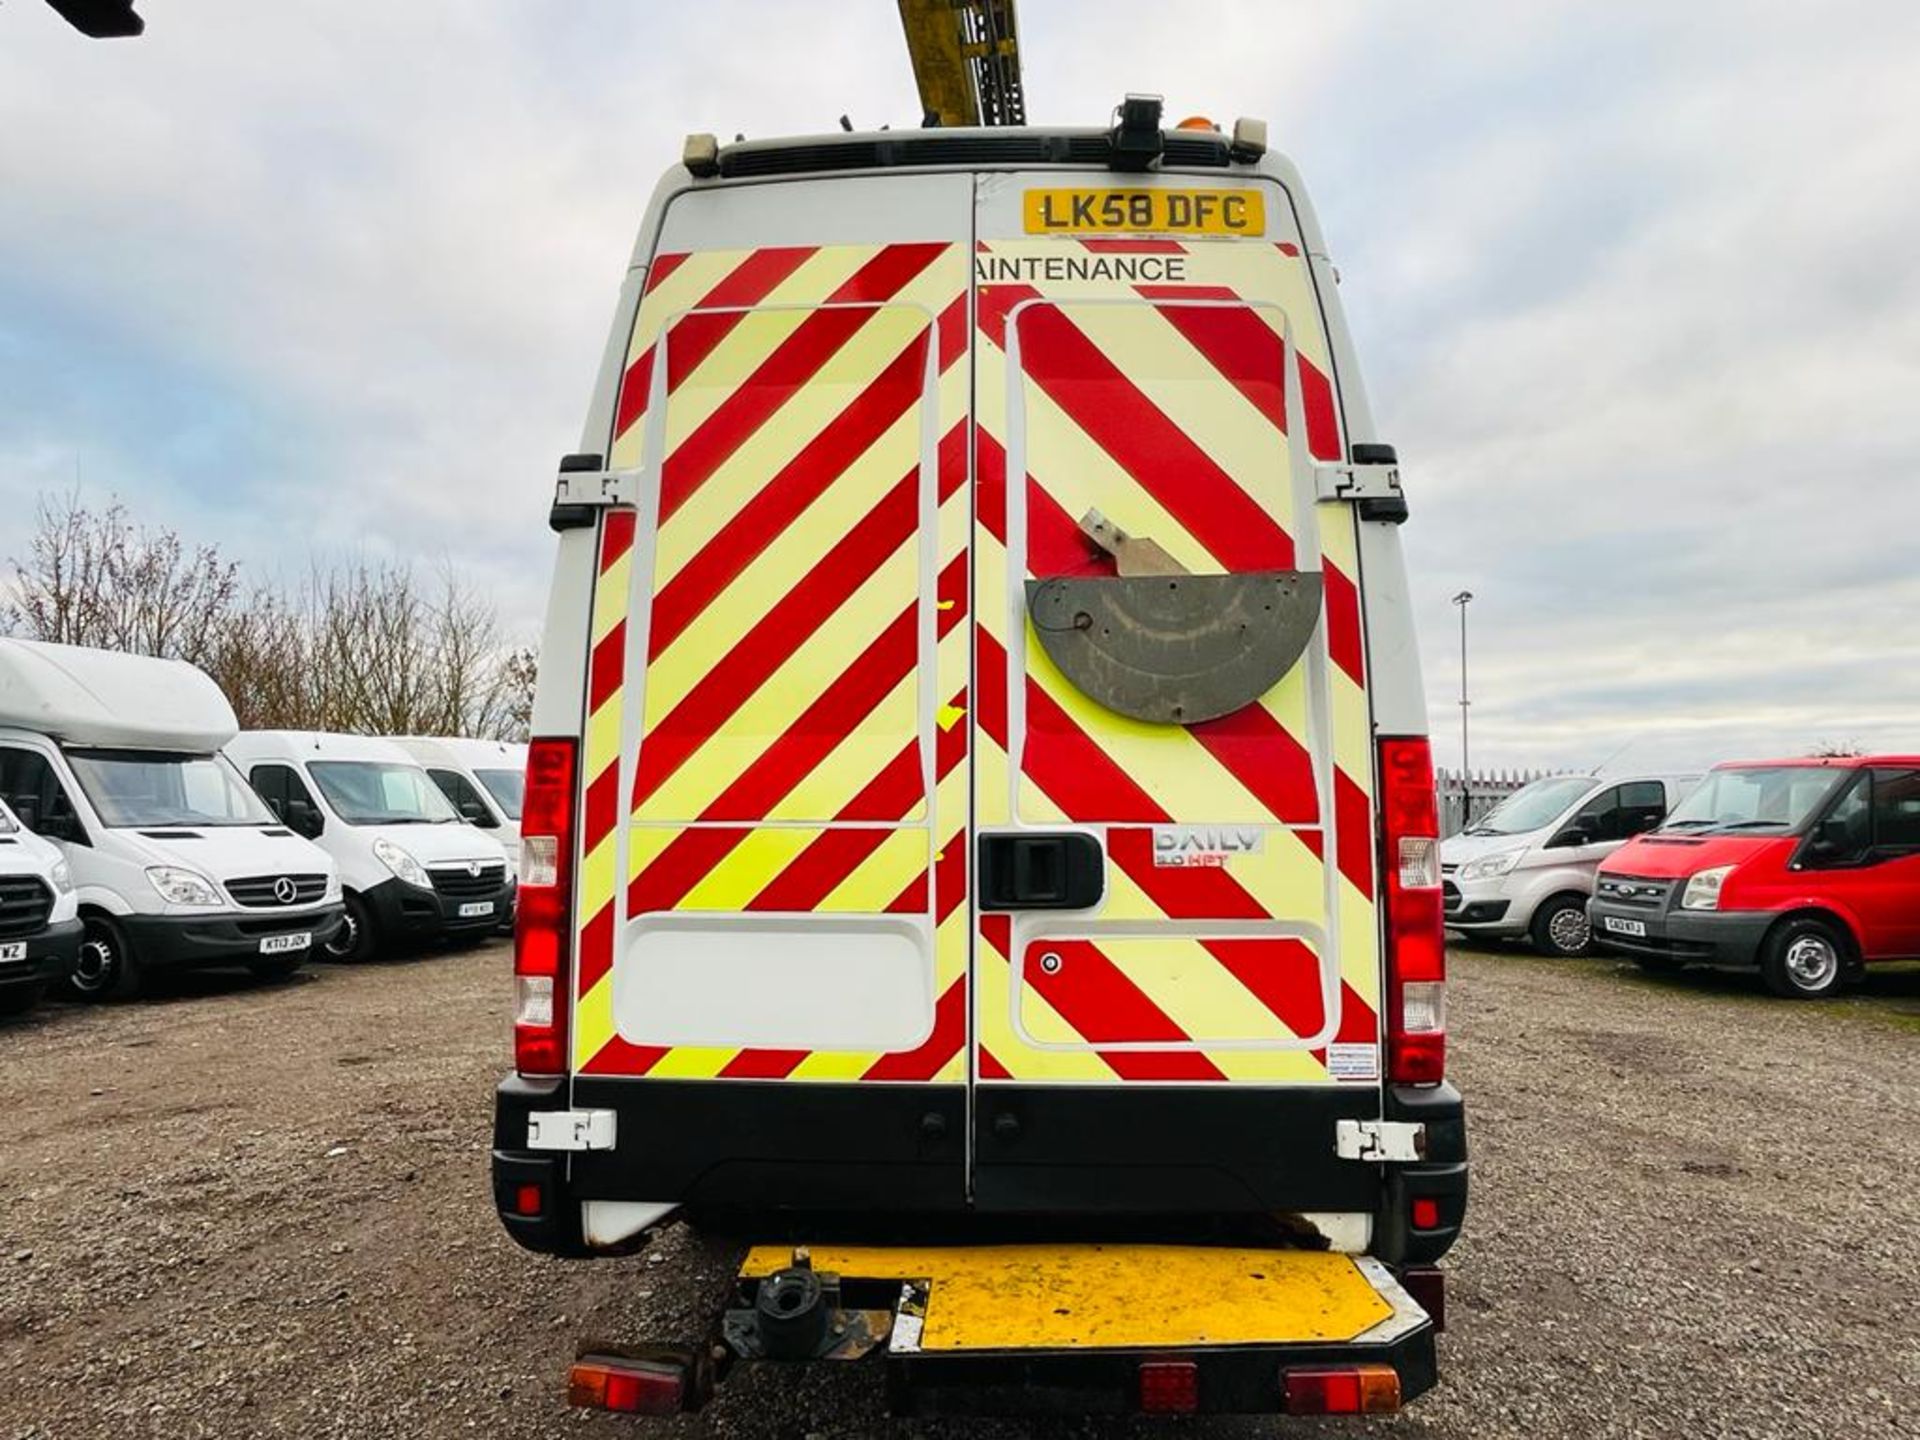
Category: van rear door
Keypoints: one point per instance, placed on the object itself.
(771, 986)
(1170, 692)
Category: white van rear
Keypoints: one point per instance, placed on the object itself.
(176, 863)
(980, 768)
(412, 869)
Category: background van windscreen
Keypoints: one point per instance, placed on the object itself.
(366, 792)
(145, 787)
(508, 788)
(1777, 797)
(1532, 806)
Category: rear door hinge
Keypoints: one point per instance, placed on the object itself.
(1375, 487)
(584, 487)
(570, 1130)
(1381, 1140)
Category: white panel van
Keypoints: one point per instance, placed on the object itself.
(412, 869)
(176, 863)
(39, 916)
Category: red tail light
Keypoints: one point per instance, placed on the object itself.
(1342, 1390)
(1416, 944)
(542, 938)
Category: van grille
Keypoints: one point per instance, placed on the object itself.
(1093, 150)
(265, 891)
(25, 904)
(1632, 890)
(462, 882)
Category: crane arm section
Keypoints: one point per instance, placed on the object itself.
(966, 61)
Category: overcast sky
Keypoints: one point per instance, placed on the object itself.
(1637, 288)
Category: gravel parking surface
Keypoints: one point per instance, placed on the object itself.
(247, 1210)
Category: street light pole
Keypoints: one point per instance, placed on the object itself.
(1463, 599)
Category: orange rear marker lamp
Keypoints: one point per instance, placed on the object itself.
(1342, 1390)
(627, 1387)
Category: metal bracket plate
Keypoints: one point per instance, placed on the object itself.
(570, 1130)
(1358, 482)
(1380, 1140)
(596, 487)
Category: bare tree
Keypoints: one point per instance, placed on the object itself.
(357, 645)
(93, 577)
(1836, 750)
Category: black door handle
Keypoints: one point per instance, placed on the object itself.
(1062, 871)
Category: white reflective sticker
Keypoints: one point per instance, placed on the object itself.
(1348, 1061)
(1196, 847)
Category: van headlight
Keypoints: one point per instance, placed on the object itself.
(1703, 889)
(1488, 866)
(62, 877)
(401, 863)
(183, 887)
(333, 887)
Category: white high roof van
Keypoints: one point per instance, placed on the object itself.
(413, 870)
(116, 760)
(39, 916)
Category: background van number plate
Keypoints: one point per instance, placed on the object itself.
(1170, 212)
(10, 953)
(476, 907)
(1618, 926)
(282, 944)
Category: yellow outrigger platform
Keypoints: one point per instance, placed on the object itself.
(1077, 1328)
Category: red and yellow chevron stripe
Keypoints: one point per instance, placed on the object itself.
(801, 582)
(1168, 414)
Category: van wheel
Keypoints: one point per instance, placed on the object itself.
(353, 941)
(1560, 927)
(105, 969)
(1804, 959)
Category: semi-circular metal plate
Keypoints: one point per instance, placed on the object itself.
(1176, 649)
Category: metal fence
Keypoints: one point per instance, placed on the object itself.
(1464, 798)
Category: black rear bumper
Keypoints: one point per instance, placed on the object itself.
(191, 942)
(50, 956)
(768, 1150)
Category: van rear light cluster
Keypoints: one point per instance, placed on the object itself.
(1342, 1390)
(543, 929)
(627, 1387)
(1416, 941)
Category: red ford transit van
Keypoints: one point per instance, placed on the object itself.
(1808, 869)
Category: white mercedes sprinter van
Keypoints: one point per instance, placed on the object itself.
(1525, 869)
(413, 870)
(39, 916)
(116, 760)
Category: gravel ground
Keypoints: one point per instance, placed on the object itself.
(247, 1210)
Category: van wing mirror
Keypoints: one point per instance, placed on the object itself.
(474, 813)
(303, 818)
(1570, 838)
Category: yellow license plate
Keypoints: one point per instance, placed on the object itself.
(1163, 212)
